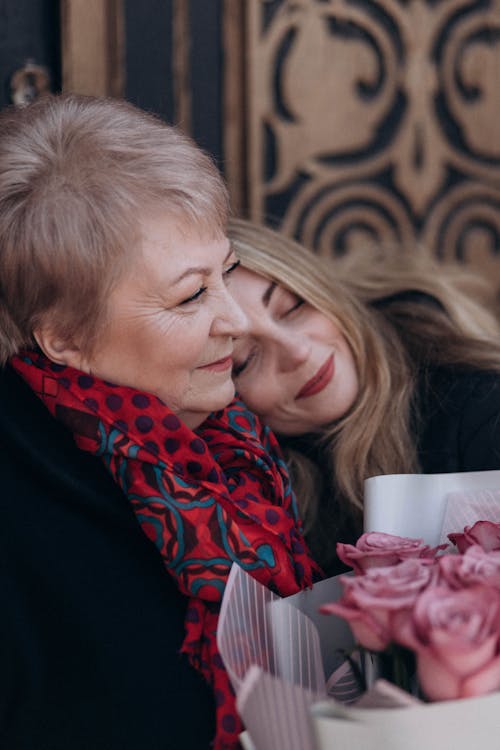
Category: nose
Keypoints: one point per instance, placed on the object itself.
(293, 350)
(229, 320)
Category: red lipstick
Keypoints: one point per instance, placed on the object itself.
(318, 381)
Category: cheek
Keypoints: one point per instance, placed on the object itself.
(179, 348)
(268, 408)
(251, 389)
(249, 396)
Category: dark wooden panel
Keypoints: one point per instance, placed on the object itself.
(174, 63)
(205, 23)
(149, 56)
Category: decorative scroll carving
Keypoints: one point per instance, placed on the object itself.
(376, 120)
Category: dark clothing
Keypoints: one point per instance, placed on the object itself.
(460, 421)
(90, 623)
(457, 429)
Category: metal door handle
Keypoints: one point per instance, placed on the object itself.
(29, 82)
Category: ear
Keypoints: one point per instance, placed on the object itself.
(57, 349)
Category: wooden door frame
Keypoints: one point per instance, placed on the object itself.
(93, 47)
(234, 104)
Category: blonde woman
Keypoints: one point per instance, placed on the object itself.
(373, 365)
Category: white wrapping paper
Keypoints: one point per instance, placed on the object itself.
(469, 724)
(415, 505)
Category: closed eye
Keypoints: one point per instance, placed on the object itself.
(240, 367)
(194, 296)
(231, 268)
(285, 303)
(294, 307)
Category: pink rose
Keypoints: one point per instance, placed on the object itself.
(475, 566)
(375, 604)
(376, 549)
(484, 533)
(455, 635)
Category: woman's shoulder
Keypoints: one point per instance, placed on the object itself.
(460, 384)
(71, 547)
(459, 420)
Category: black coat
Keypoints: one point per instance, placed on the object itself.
(459, 424)
(90, 623)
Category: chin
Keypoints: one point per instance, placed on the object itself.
(223, 397)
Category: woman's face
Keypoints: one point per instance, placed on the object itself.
(172, 321)
(293, 366)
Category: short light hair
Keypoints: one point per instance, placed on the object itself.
(77, 174)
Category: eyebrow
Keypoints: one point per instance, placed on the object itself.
(204, 270)
(266, 297)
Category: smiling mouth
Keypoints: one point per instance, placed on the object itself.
(318, 381)
(219, 365)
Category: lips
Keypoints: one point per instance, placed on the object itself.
(219, 365)
(318, 381)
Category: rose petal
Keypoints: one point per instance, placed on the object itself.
(361, 560)
(485, 681)
(461, 657)
(436, 681)
(486, 534)
(368, 636)
(369, 633)
(375, 549)
(460, 541)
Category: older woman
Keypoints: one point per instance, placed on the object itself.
(375, 366)
(115, 311)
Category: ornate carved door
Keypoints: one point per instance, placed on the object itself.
(368, 121)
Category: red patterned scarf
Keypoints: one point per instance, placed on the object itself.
(206, 498)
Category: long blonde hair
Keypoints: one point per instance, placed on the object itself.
(400, 312)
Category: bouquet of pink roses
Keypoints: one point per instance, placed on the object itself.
(442, 604)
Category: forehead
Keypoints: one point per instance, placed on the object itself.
(180, 248)
(250, 289)
(166, 232)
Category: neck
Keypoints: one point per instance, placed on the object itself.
(192, 419)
